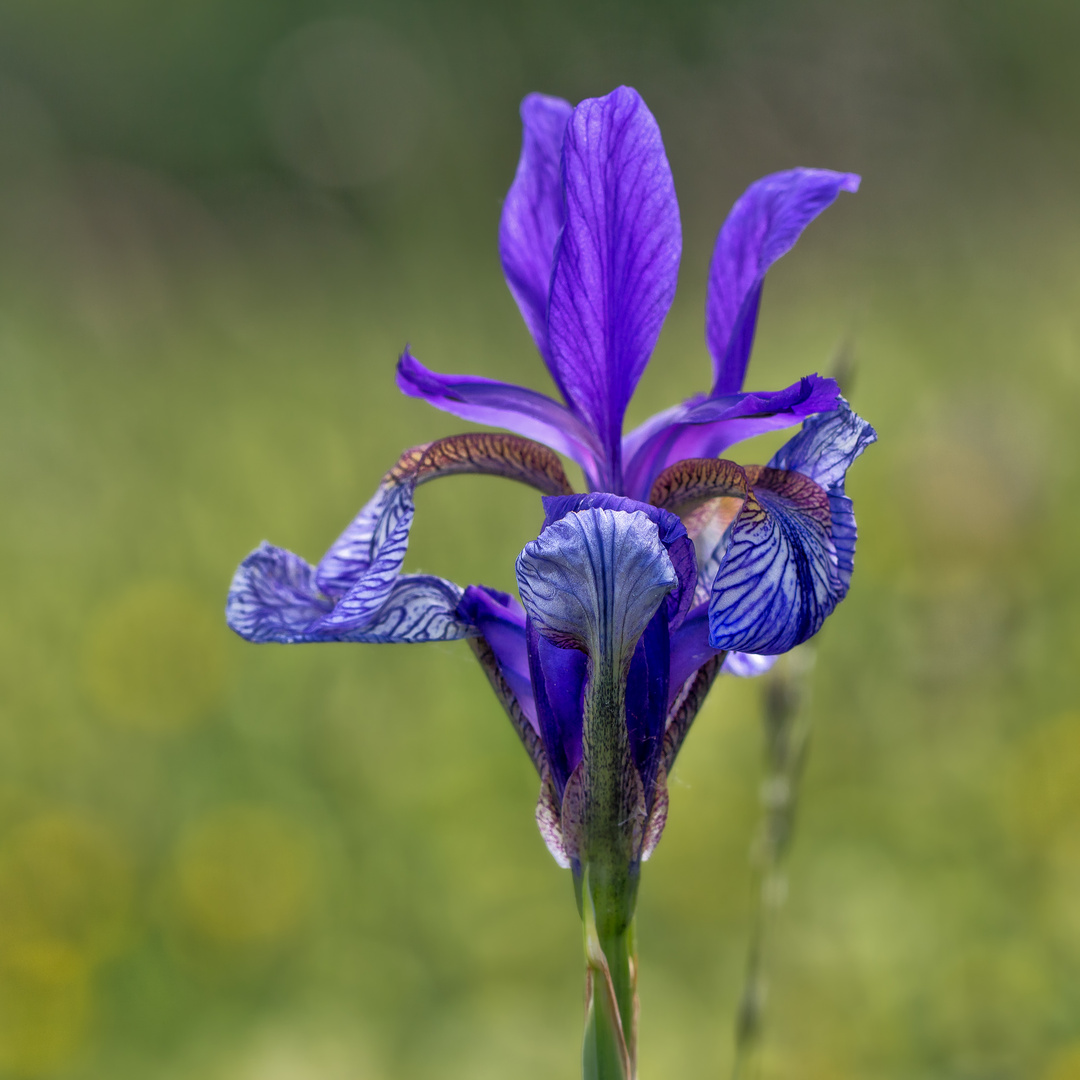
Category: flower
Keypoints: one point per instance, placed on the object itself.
(676, 561)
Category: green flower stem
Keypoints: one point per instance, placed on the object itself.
(610, 1048)
(613, 815)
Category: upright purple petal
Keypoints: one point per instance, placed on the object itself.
(616, 264)
(532, 216)
(515, 408)
(705, 427)
(763, 225)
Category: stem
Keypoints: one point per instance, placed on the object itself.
(607, 886)
(609, 1050)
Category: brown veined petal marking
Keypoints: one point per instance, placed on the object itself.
(707, 494)
(695, 480)
(489, 454)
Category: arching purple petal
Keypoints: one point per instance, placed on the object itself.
(763, 224)
(274, 597)
(515, 408)
(558, 679)
(777, 581)
(532, 215)
(673, 536)
(501, 620)
(705, 427)
(824, 450)
(616, 263)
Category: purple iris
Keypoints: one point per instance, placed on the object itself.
(676, 562)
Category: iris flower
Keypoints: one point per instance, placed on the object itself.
(674, 564)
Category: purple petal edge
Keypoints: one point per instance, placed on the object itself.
(705, 427)
(504, 405)
(763, 225)
(532, 215)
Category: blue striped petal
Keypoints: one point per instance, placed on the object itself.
(776, 583)
(673, 535)
(791, 552)
(594, 579)
(824, 450)
(357, 592)
(275, 597)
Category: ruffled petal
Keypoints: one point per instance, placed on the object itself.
(515, 408)
(532, 215)
(274, 597)
(357, 592)
(705, 427)
(593, 582)
(616, 263)
(824, 451)
(763, 225)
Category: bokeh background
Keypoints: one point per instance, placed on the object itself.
(220, 221)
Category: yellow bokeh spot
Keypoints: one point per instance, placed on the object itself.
(42, 1022)
(245, 876)
(65, 892)
(154, 659)
(1045, 789)
(1065, 1065)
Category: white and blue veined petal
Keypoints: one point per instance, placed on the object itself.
(824, 450)
(776, 582)
(274, 597)
(594, 579)
(791, 552)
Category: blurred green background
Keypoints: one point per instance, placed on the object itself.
(220, 221)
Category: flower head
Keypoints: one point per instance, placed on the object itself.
(676, 562)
